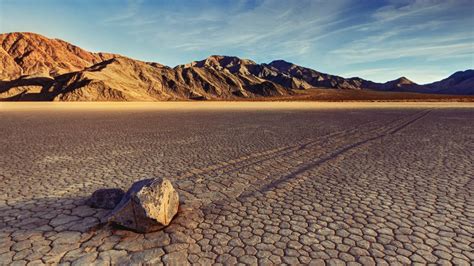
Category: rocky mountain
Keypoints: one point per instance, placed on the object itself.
(33, 67)
(308, 78)
(32, 54)
(124, 79)
(461, 82)
(401, 84)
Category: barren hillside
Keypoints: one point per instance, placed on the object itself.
(33, 67)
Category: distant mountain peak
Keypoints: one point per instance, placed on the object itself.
(461, 75)
(221, 61)
(461, 82)
(399, 84)
(281, 64)
(404, 81)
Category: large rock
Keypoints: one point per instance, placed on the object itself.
(106, 198)
(149, 205)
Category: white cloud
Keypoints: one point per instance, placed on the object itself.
(417, 7)
(426, 30)
(273, 27)
(437, 47)
(338, 34)
(129, 14)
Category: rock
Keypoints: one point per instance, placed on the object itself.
(106, 198)
(149, 205)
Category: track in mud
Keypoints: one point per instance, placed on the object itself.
(355, 186)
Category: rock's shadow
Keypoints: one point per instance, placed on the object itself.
(65, 229)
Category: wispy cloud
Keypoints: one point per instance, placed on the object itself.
(338, 36)
(401, 9)
(270, 27)
(438, 47)
(424, 33)
(128, 15)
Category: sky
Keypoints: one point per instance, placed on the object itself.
(380, 40)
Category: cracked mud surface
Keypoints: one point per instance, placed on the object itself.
(328, 186)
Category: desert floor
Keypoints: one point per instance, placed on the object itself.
(269, 183)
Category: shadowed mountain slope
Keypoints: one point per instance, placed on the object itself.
(33, 67)
(35, 55)
(124, 79)
(461, 82)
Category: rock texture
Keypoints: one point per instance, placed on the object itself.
(33, 67)
(106, 198)
(126, 79)
(24, 53)
(148, 205)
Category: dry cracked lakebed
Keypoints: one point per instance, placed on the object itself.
(355, 184)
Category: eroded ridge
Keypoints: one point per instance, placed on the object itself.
(388, 186)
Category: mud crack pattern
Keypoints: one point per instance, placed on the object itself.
(322, 187)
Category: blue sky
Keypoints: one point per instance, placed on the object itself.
(424, 40)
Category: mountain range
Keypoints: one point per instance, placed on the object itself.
(36, 68)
